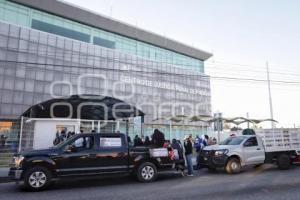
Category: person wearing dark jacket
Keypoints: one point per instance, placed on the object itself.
(177, 146)
(128, 139)
(181, 149)
(62, 136)
(56, 140)
(69, 134)
(147, 141)
(188, 146)
(180, 162)
(3, 140)
(137, 141)
(158, 138)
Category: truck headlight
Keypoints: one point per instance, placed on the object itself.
(221, 152)
(17, 161)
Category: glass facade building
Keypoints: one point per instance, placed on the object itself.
(25, 16)
(43, 56)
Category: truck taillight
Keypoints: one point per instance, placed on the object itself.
(297, 159)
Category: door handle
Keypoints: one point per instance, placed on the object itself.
(258, 149)
(84, 155)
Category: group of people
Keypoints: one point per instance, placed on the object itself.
(138, 141)
(198, 144)
(62, 136)
(190, 145)
(157, 140)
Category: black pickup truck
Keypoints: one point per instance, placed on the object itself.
(85, 155)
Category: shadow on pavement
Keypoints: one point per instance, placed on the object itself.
(115, 180)
(163, 178)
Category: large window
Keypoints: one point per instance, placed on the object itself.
(50, 28)
(17, 14)
(104, 43)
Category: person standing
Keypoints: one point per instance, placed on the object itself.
(62, 136)
(147, 141)
(202, 142)
(206, 140)
(197, 143)
(3, 140)
(197, 146)
(137, 141)
(128, 139)
(210, 141)
(214, 140)
(158, 138)
(180, 160)
(188, 146)
(69, 134)
(180, 150)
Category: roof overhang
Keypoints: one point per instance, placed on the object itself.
(84, 16)
(88, 107)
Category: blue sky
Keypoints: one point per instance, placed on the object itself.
(242, 35)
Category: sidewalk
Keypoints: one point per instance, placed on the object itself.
(4, 175)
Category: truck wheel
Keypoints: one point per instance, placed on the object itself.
(283, 161)
(37, 178)
(147, 172)
(233, 166)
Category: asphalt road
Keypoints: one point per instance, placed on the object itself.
(263, 183)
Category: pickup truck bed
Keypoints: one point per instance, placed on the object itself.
(276, 140)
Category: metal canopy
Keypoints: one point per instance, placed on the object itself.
(240, 120)
(209, 119)
(93, 107)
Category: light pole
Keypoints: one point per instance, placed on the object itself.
(248, 124)
(270, 95)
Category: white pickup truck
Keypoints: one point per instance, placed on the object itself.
(280, 146)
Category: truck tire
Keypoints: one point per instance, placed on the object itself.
(37, 178)
(147, 172)
(233, 166)
(283, 162)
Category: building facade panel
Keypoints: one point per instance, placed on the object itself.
(34, 69)
(25, 16)
(44, 56)
(83, 16)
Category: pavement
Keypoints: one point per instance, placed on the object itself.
(264, 183)
(4, 171)
(4, 174)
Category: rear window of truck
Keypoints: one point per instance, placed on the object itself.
(110, 142)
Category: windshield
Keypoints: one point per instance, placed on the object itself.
(233, 140)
